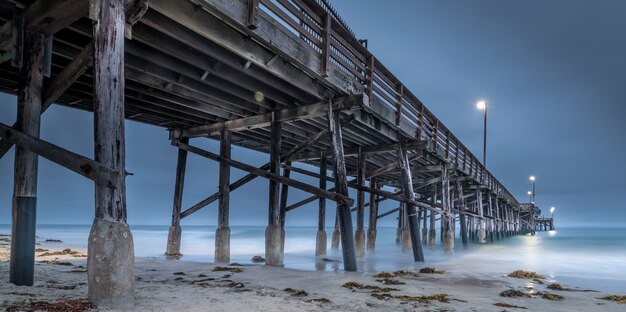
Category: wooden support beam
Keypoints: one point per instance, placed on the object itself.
(174, 233)
(253, 14)
(462, 217)
(407, 187)
(274, 233)
(111, 261)
(392, 211)
(263, 173)
(341, 184)
(24, 210)
(84, 166)
(284, 192)
(373, 149)
(235, 185)
(58, 86)
(321, 239)
(222, 233)
(359, 234)
(261, 121)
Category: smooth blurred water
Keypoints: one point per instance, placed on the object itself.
(587, 257)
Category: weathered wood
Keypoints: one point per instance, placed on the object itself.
(481, 227)
(392, 211)
(174, 234)
(341, 184)
(253, 14)
(373, 217)
(321, 220)
(386, 148)
(235, 185)
(359, 234)
(84, 166)
(462, 217)
(22, 259)
(264, 120)
(222, 233)
(224, 179)
(274, 232)
(270, 176)
(179, 185)
(284, 192)
(110, 264)
(407, 187)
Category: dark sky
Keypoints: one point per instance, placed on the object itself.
(553, 73)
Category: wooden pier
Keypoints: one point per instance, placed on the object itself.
(287, 78)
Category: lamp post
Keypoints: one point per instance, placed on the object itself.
(532, 195)
(552, 212)
(483, 106)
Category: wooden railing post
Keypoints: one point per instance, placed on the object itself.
(399, 96)
(253, 13)
(326, 44)
(371, 69)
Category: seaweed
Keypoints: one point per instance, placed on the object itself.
(513, 293)
(65, 251)
(296, 292)
(431, 270)
(525, 275)
(550, 296)
(61, 306)
(320, 300)
(421, 299)
(375, 289)
(506, 305)
(57, 262)
(227, 269)
(616, 298)
(179, 273)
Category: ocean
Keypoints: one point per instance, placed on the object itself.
(586, 257)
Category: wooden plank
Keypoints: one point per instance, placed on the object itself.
(84, 166)
(214, 29)
(263, 120)
(360, 180)
(373, 149)
(270, 176)
(392, 211)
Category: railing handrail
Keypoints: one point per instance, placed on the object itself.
(317, 23)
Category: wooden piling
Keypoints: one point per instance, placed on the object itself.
(321, 238)
(482, 232)
(447, 221)
(462, 217)
(174, 235)
(110, 264)
(359, 234)
(373, 217)
(274, 231)
(432, 232)
(407, 188)
(341, 185)
(222, 233)
(22, 261)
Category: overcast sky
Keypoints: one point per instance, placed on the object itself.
(553, 73)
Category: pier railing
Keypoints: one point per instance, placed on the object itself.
(318, 25)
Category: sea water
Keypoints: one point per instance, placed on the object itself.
(588, 257)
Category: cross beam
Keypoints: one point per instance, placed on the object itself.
(263, 120)
(84, 166)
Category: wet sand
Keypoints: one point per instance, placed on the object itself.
(169, 285)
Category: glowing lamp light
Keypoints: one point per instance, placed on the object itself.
(482, 105)
(530, 193)
(532, 178)
(552, 209)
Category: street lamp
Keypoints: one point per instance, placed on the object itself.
(552, 212)
(532, 195)
(482, 105)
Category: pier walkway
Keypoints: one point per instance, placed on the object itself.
(283, 77)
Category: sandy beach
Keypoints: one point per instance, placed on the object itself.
(168, 285)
